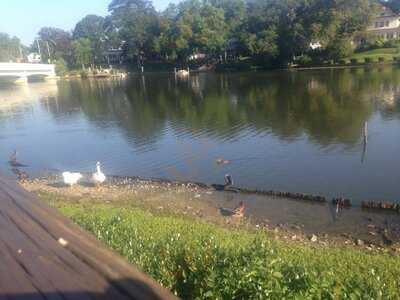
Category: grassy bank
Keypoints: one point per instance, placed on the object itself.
(375, 55)
(197, 260)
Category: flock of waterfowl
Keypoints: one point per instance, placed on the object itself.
(69, 178)
(98, 177)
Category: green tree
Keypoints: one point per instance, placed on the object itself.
(82, 52)
(137, 24)
(61, 67)
(211, 35)
(196, 26)
(10, 48)
(259, 31)
(54, 43)
(93, 27)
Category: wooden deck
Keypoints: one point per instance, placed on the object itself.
(43, 255)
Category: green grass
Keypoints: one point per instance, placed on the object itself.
(387, 53)
(196, 260)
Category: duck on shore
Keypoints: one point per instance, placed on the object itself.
(71, 178)
(237, 212)
(98, 177)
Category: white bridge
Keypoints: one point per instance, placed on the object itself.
(20, 72)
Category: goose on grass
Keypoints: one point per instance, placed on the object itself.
(98, 177)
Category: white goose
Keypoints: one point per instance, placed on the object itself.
(71, 178)
(99, 176)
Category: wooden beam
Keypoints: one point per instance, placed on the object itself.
(44, 255)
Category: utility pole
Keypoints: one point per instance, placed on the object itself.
(38, 45)
(48, 51)
(20, 54)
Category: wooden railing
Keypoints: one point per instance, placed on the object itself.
(43, 255)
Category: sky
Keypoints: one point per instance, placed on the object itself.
(24, 18)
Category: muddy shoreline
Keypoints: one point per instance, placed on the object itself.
(301, 220)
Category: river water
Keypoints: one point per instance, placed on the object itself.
(299, 131)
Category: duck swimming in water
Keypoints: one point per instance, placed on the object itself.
(99, 176)
(221, 161)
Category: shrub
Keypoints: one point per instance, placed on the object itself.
(304, 60)
(354, 61)
(381, 59)
(392, 43)
(368, 60)
(84, 74)
(340, 48)
(342, 61)
(201, 261)
(61, 67)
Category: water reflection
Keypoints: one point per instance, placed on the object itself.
(297, 131)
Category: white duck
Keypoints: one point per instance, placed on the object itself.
(99, 176)
(71, 178)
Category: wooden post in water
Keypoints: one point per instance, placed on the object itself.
(366, 132)
(365, 142)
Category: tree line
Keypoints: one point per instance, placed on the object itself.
(268, 32)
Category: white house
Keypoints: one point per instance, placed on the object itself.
(34, 58)
(386, 24)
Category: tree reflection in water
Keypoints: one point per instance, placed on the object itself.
(299, 131)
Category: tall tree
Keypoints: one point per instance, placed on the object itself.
(82, 52)
(55, 43)
(259, 31)
(137, 24)
(10, 48)
(93, 27)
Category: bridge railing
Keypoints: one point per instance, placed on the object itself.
(28, 69)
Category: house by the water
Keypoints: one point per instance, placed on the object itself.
(386, 24)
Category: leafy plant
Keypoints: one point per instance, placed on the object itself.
(368, 60)
(200, 261)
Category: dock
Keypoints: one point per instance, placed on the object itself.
(44, 255)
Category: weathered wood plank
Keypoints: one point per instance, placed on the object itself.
(35, 265)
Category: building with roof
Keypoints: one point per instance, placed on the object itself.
(386, 24)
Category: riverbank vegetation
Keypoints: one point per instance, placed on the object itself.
(231, 33)
(198, 260)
